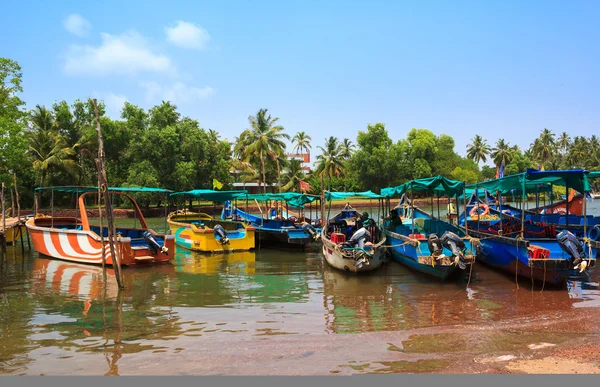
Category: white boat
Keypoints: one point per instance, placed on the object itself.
(353, 244)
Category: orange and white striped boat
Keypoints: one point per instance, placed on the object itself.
(75, 240)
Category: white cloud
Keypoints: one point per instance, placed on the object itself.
(77, 25)
(128, 53)
(175, 93)
(114, 104)
(187, 35)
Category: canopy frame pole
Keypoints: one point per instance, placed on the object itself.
(567, 202)
(165, 212)
(458, 212)
(499, 198)
(52, 209)
(584, 217)
(478, 215)
(432, 193)
(523, 199)
(412, 205)
(438, 205)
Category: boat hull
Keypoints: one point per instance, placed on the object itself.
(193, 237)
(273, 233)
(336, 259)
(411, 255)
(14, 234)
(512, 256)
(57, 240)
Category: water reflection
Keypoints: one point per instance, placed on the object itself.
(61, 317)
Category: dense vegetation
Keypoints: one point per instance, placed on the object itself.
(159, 148)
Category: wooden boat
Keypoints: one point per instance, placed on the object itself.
(274, 229)
(15, 228)
(353, 244)
(75, 239)
(551, 259)
(201, 232)
(421, 242)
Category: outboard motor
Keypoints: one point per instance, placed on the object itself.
(571, 245)
(435, 245)
(220, 232)
(359, 238)
(154, 246)
(310, 230)
(455, 244)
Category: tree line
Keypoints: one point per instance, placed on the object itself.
(158, 147)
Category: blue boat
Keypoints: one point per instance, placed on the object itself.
(421, 242)
(277, 229)
(551, 259)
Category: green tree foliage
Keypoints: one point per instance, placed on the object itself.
(13, 144)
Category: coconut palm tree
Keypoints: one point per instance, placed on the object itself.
(302, 143)
(50, 151)
(578, 151)
(346, 149)
(502, 153)
(478, 150)
(329, 162)
(47, 148)
(293, 176)
(263, 139)
(564, 141)
(544, 146)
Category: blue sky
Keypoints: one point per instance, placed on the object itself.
(502, 69)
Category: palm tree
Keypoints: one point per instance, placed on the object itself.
(48, 149)
(346, 149)
(478, 150)
(262, 139)
(544, 146)
(564, 141)
(302, 141)
(578, 151)
(502, 153)
(293, 176)
(330, 162)
(213, 135)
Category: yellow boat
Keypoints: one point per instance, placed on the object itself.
(196, 231)
(15, 227)
(201, 232)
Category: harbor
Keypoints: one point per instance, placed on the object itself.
(269, 312)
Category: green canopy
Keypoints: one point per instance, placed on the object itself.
(294, 199)
(77, 189)
(438, 184)
(211, 195)
(533, 181)
(345, 195)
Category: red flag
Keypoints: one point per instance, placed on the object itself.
(304, 186)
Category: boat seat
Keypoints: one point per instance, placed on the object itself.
(562, 220)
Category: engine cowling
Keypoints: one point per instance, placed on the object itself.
(310, 230)
(154, 246)
(454, 243)
(435, 245)
(221, 234)
(359, 237)
(572, 246)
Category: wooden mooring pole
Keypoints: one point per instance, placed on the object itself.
(103, 180)
(19, 212)
(3, 233)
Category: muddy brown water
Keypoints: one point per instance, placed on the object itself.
(272, 312)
